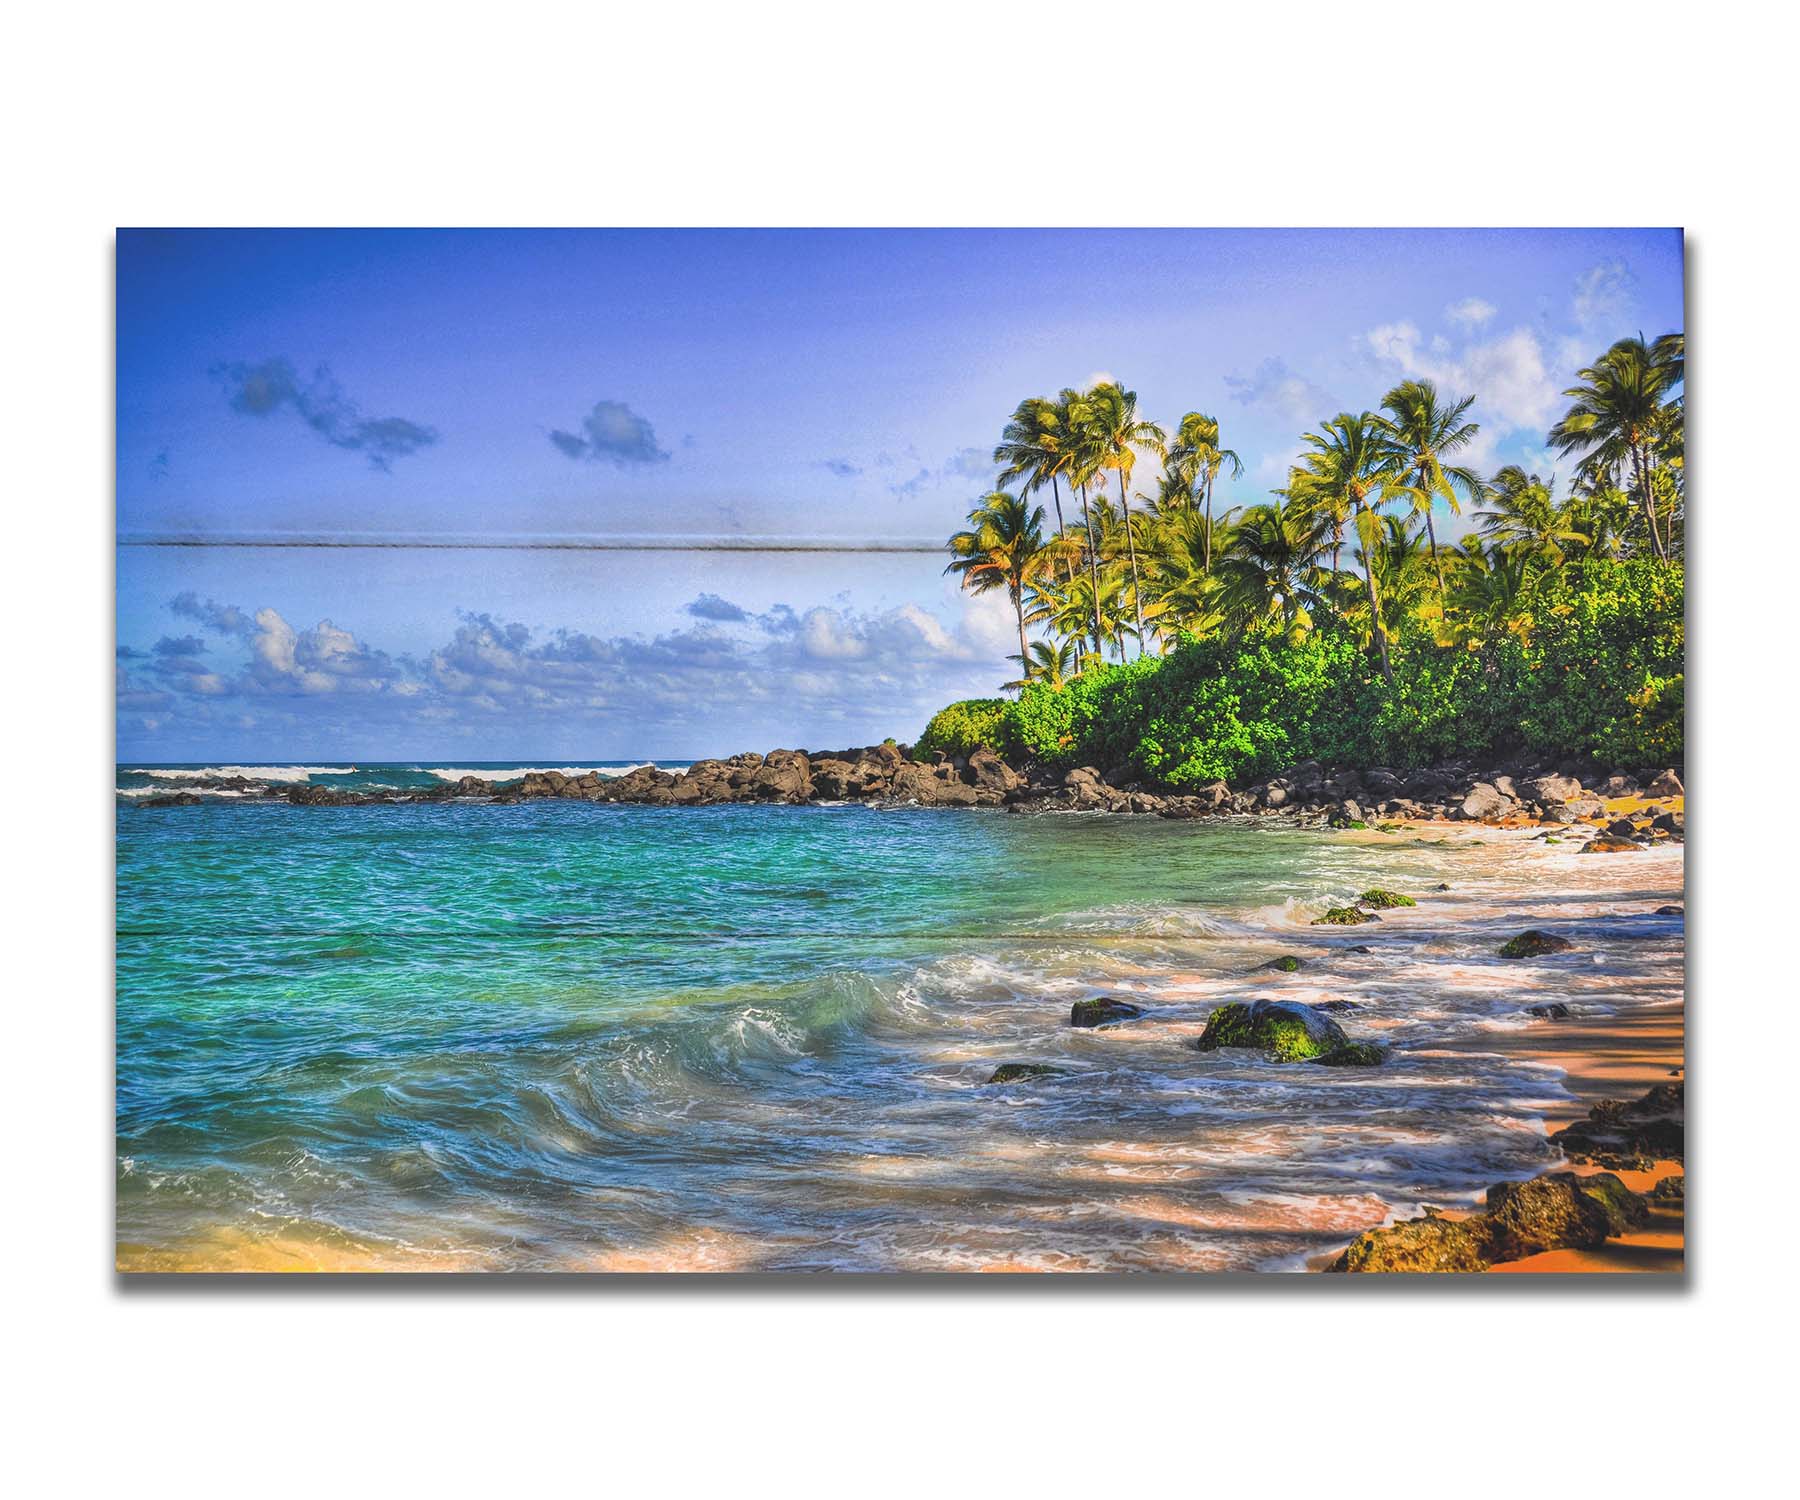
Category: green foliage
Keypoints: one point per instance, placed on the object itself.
(1594, 670)
(964, 727)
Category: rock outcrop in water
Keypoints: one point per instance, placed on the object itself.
(1560, 1211)
(1569, 796)
(1285, 1029)
(1630, 1135)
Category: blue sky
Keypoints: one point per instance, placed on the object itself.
(696, 384)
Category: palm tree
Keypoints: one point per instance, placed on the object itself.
(1055, 663)
(1620, 410)
(1352, 456)
(1196, 453)
(1423, 431)
(1003, 548)
(1272, 568)
(1523, 517)
(1111, 433)
(1034, 447)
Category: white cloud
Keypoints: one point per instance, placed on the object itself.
(1471, 312)
(1605, 295)
(1508, 375)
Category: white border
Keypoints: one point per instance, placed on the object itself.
(930, 113)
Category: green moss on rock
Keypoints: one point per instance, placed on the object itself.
(1102, 1012)
(1286, 964)
(1287, 1031)
(1344, 916)
(1378, 899)
(1428, 1244)
(1353, 1055)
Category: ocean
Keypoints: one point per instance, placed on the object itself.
(568, 1036)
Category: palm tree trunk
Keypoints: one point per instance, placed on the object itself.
(1137, 598)
(1206, 563)
(1056, 495)
(1018, 599)
(1374, 603)
(1436, 562)
(1643, 477)
(1087, 519)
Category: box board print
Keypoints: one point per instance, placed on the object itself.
(900, 751)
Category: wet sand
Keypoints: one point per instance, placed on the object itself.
(1620, 1057)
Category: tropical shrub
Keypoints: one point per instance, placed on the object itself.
(961, 728)
(1597, 674)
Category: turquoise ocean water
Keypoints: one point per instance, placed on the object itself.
(561, 1036)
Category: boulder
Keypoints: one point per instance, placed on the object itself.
(1609, 844)
(1671, 911)
(1378, 899)
(1287, 1030)
(1669, 1190)
(1630, 1136)
(1666, 784)
(1353, 1055)
(1484, 801)
(1671, 822)
(1546, 1213)
(1553, 789)
(986, 769)
(1286, 964)
(1425, 1244)
(1102, 1011)
(1013, 1072)
(1553, 1010)
(1534, 944)
(1344, 916)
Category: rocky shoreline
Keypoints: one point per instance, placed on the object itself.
(1525, 791)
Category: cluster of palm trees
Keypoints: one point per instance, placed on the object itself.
(1349, 541)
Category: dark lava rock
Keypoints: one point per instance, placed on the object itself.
(1359, 948)
(1287, 1030)
(1102, 1012)
(1335, 1005)
(1344, 916)
(1547, 1213)
(1669, 1190)
(1377, 899)
(1625, 1210)
(1286, 964)
(1427, 1244)
(1534, 944)
(1554, 1011)
(1013, 1072)
(1353, 1055)
(1630, 1136)
(1671, 911)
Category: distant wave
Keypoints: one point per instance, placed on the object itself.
(252, 773)
(512, 773)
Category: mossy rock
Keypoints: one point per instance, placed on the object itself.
(1286, 1030)
(1669, 1190)
(1534, 944)
(1625, 1210)
(1428, 1244)
(1552, 841)
(1353, 1055)
(1286, 964)
(1013, 1072)
(1546, 1213)
(1344, 916)
(1102, 1012)
(1377, 899)
(1390, 828)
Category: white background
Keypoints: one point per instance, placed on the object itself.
(921, 114)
